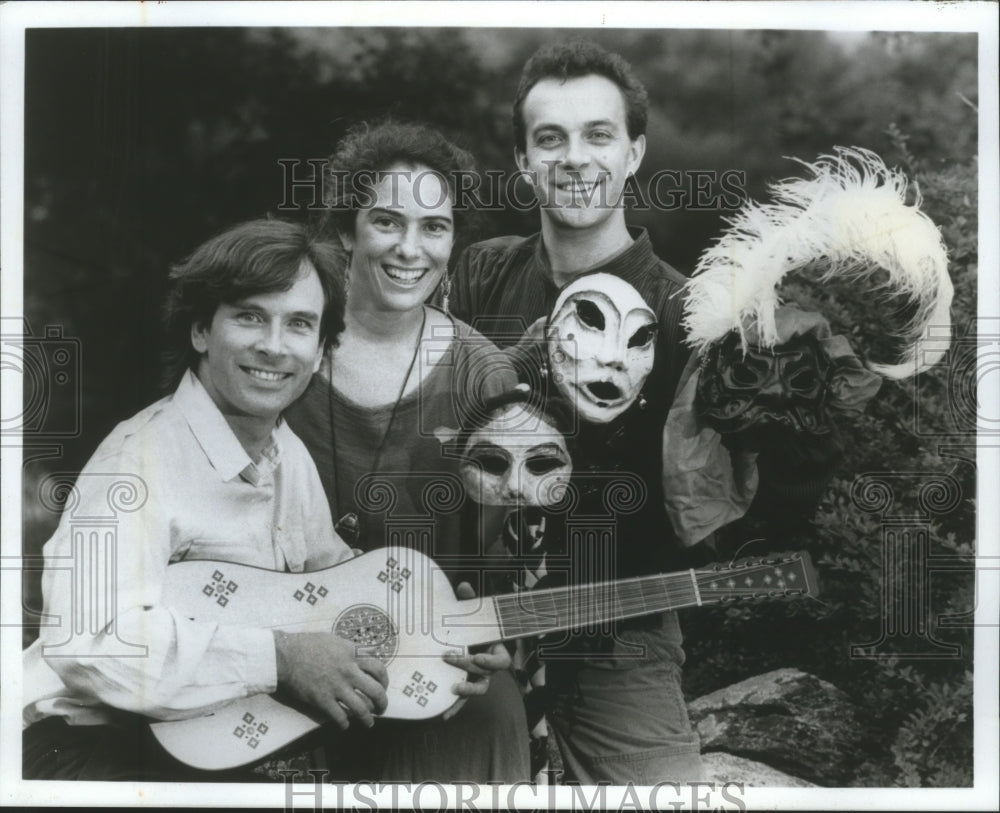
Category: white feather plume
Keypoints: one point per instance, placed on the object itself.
(848, 218)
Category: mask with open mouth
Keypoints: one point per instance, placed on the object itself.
(601, 342)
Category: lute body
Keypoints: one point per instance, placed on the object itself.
(395, 604)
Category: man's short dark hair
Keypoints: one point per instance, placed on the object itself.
(573, 59)
(251, 258)
(368, 149)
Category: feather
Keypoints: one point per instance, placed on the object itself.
(848, 218)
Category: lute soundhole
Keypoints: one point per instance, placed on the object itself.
(370, 629)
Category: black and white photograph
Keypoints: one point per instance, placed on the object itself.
(500, 405)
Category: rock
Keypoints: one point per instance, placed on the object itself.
(787, 719)
(721, 768)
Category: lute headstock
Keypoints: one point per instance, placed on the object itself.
(773, 576)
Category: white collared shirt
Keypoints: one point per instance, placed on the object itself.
(171, 483)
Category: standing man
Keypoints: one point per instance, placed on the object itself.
(580, 114)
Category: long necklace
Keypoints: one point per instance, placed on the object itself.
(349, 524)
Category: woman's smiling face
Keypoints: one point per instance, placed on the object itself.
(401, 243)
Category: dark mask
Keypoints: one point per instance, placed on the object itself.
(763, 389)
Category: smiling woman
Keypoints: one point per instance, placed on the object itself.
(400, 369)
(400, 244)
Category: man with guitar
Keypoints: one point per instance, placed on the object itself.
(580, 114)
(208, 472)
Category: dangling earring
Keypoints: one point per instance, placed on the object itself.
(642, 401)
(347, 273)
(445, 292)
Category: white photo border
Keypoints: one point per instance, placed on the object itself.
(15, 18)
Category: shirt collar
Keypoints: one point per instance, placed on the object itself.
(217, 439)
(631, 263)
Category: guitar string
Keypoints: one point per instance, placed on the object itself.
(598, 599)
(525, 623)
(627, 600)
(522, 611)
(629, 593)
(636, 585)
(585, 606)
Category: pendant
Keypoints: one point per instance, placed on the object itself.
(348, 528)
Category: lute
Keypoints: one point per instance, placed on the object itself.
(397, 605)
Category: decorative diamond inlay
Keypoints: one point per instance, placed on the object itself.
(419, 688)
(310, 592)
(394, 575)
(251, 732)
(220, 588)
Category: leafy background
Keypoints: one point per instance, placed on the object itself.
(139, 143)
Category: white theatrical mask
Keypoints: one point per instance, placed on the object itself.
(601, 343)
(517, 459)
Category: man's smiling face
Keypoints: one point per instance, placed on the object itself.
(578, 154)
(258, 353)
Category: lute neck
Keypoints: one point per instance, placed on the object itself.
(535, 612)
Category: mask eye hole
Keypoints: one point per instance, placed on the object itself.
(543, 464)
(803, 379)
(642, 336)
(491, 462)
(588, 313)
(745, 375)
